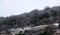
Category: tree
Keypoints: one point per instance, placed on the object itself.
(48, 31)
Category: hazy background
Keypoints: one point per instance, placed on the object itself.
(16, 7)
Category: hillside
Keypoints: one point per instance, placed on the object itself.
(33, 18)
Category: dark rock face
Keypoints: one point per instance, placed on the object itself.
(34, 18)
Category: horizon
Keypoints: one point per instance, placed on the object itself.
(16, 7)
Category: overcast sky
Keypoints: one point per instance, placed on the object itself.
(16, 7)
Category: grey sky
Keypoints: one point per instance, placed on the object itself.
(15, 7)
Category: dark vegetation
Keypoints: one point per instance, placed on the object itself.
(34, 18)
